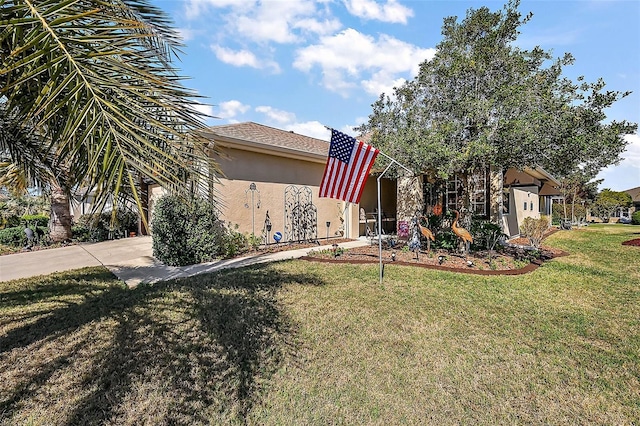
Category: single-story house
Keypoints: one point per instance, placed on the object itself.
(272, 177)
(635, 199)
(271, 183)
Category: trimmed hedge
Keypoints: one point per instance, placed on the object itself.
(16, 237)
(635, 218)
(35, 220)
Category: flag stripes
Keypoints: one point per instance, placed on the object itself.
(348, 166)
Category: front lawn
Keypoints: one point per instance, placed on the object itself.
(308, 343)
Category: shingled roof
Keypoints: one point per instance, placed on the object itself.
(635, 193)
(258, 135)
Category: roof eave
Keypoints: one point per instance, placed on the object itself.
(279, 151)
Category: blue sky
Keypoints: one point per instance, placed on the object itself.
(301, 64)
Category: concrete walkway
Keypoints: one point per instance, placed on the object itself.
(130, 259)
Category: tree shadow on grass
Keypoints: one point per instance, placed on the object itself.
(188, 351)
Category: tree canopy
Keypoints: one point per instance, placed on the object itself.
(89, 97)
(483, 101)
(608, 201)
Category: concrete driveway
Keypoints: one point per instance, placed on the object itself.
(129, 259)
(43, 262)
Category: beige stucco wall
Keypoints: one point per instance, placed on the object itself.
(273, 175)
(517, 213)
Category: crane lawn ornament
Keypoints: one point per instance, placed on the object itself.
(462, 233)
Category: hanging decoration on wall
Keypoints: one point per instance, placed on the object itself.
(266, 228)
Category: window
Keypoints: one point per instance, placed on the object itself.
(531, 206)
(449, 193)
(525, 205)
(478, 190)
(454, 193)
(478, 193)
(506, 201)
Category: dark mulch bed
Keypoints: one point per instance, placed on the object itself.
(635, 242)
(508, 261)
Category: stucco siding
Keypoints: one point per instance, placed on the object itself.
(273, 176)
(517, 211)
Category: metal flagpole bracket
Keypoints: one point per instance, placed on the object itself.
(392, 162)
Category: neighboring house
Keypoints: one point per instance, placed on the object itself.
(272, 176)
(622, 213)
(635, 199)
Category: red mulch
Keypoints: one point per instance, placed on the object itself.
(635, 242)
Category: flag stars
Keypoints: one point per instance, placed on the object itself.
(342, 148)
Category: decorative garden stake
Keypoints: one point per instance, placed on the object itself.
(253, 190)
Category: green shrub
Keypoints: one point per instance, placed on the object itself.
(11, 221)
(188, 233)
(635, 218)
(534, 229)
(446, 240)
(486, 234)
(35, 220)
(13, 236)
(16, 237)
(97, 226)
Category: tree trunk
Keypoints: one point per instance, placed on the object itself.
(573, 204)
(60, 222)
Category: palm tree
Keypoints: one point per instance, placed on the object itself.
(89, 89)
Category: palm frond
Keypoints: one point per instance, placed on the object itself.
(95, 80)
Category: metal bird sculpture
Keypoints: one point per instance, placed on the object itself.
(426, 232)
(462, 233)
(414, 243)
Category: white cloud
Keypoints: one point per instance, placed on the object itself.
(275, 21)
(626, 175)
(348, 55)
(381, 82)
(632, 154)
(268, 21)
(195, 8)
(390, 11)
(243, 58)
(313, 129)
(279, 116)
(230, 109)
(314, 26)
(187, 34)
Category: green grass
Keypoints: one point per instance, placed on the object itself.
(309, 343)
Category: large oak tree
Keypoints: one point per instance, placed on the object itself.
(483, 101)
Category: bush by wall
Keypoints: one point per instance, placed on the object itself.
(97, 226)
(188, 233)
(635, 218)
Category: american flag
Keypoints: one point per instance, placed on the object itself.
(347, 168)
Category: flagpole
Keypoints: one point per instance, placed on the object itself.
(392, 162)
(380, 210)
